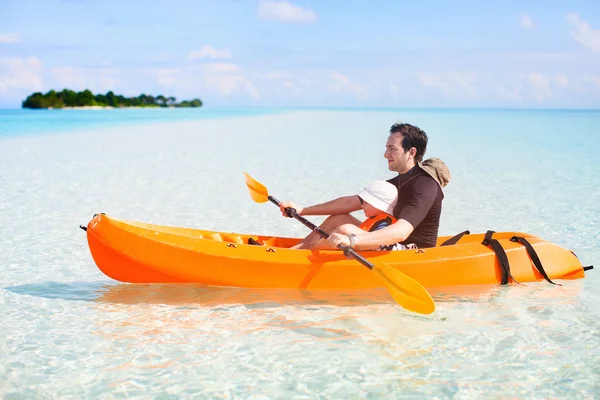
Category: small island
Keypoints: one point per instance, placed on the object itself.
(70, 99)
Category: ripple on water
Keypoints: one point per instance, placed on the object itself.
(69, 332)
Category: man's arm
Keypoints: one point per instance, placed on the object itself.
(341, 205)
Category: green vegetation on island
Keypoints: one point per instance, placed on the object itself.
(71, 99)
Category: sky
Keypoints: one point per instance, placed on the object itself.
(308, 53)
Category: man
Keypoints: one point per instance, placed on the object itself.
(419, 201)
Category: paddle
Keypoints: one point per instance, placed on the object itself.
(406, 291)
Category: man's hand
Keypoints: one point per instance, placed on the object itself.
(289, 204)
(335, 239)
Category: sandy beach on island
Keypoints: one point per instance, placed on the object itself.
(105, 107)
(83, 108)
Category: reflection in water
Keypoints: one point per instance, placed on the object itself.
(211, 296)
(176, 294)
(75, 291)
(253, 298)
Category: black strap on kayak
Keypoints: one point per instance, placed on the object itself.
(454, 239)
(534, 257)
(500, 255)
(584, 268)
(252, 241)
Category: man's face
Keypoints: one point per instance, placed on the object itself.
(398, 160)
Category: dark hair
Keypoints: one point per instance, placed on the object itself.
(412, 137)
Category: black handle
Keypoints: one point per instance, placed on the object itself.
(349, 251)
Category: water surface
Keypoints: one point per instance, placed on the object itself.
(68, 331)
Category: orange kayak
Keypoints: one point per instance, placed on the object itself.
(143, 253)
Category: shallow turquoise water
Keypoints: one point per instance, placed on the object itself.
(70, 332)
(18, 122)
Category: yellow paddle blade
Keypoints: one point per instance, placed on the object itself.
(258, 191)
(405, 290)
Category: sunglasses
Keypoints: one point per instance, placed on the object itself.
(361, 200)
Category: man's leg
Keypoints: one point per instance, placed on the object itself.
(314, 240)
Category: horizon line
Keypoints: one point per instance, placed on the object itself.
(374, 108)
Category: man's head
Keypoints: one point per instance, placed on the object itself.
(405, 147)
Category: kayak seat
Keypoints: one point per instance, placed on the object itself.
(224, 237)
(232, 238)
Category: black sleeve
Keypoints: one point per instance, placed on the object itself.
(418, 200)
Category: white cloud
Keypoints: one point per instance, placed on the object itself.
(222, 68)
(583, 33)
(98, 80)
(540, 85)
(594, 80)
(209, 52)
(454, 85)
(9, 38)
(225, 79)
(285, 11)
(279, 83)
(167, 76)
(508, 93)
(21, 74)
(543, 87)
(526, 21)
(561, 81)
(340, 81)
(290, 87)
(68, 77)
(229, 84)
(541, 82)
(278, 75)
(225, 83)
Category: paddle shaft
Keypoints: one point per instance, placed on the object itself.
(349, 251)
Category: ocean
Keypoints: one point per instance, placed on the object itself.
(68, 331)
